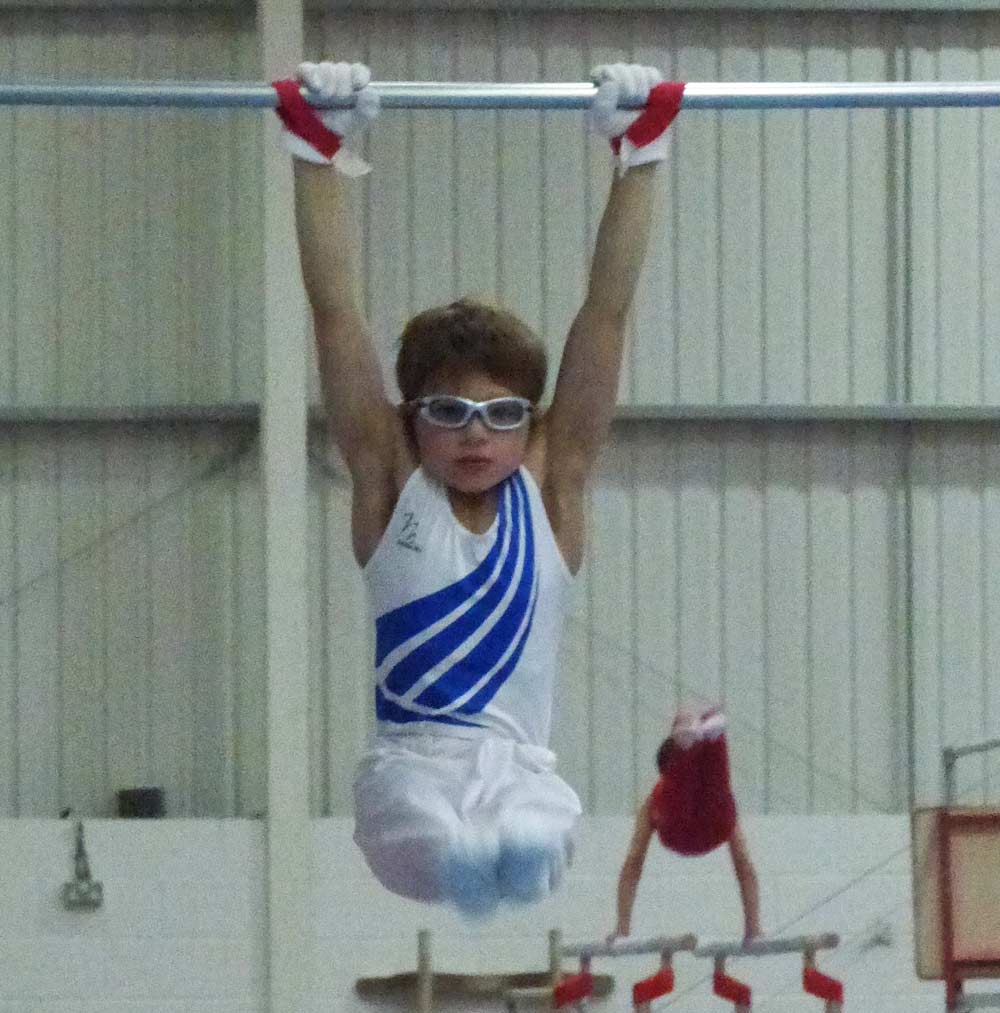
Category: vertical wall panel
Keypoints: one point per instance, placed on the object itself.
(346, 634)
(246, 136)
(990, 721)
(661, 682)
(878, 718)
(128, 571)
(80, 356)
(36, 224)
(9, 662)
(788, 621)
(953, 295)
(829, 181)
(740, 219)
(955, 675)
(82, 604)
(651, 357)
(390, 250)
(873, 255)
(520, 152)
(123, 272)
(696, 226)
(37, 623)
(105, 202)
(989, 212)
(477, 163)
(611, 636)
(250, 710)
(783, 251)
(131, 608)
(565, 192)
(831, 660)
(744, 610)
(8, 222)
(429, 254)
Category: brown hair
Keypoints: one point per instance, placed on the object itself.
(469, 336)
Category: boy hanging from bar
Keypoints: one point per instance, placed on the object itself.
(467, 512)
(692, 810)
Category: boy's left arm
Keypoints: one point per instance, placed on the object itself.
(586, 391)
(746, 878)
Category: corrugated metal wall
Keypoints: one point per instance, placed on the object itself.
(802, 571)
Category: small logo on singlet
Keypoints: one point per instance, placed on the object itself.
(408, 535)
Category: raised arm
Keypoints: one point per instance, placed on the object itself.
(362, 420)
(587, 386)
(631, 872)
(586, 390)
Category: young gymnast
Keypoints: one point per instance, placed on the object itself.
(692, 811)
(467, 514)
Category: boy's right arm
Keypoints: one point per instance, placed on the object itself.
(364, 422)
(631, 872)
(362, 418)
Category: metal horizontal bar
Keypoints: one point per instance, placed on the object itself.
(954, 752)
(495, 95)
(980, 1000)
(768, 947)
(153, 416)
(248, 413)
(656, 944)
(812, 413)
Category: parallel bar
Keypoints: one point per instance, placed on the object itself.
(950, 756)
(767, 947)
(979, 747)
(657, 944)
(981, 1000)
(491, 95)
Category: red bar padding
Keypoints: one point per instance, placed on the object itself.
(735, 991)
(822, 986)
(573, 988)
(653, 987)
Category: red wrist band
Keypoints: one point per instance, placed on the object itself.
(301, 119)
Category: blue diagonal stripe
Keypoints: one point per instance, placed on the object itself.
(476, 703)
(399, 625)
(388, 710)
(432, 652)
(462, 676)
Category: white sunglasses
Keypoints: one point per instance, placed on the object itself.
(449, 412)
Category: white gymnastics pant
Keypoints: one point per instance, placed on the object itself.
(420, 799)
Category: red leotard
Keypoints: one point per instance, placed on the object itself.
(692, 807)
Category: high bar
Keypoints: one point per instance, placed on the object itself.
(657, 944)
(493, 95)
(767, 947)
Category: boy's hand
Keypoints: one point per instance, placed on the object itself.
(637, 136)
(317, 135)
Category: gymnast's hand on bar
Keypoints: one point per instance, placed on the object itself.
(637, 137)
(317, 135)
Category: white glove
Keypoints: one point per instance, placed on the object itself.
(325, 81)
(637, 135)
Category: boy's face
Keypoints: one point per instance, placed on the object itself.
(472, 458)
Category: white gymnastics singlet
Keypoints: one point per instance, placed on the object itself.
(467, 626)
